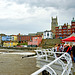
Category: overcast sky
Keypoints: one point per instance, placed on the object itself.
(31, 16)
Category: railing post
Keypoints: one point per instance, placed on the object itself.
(45, 54)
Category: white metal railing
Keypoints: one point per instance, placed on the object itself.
(46, 53)
(64, 60)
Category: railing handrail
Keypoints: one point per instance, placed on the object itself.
(45, 66)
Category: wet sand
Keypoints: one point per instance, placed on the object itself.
(16, 65)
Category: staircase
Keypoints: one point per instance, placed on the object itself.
(55, 63)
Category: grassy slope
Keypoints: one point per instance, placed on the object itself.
(49, 42)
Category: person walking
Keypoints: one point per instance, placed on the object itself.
(55, 47)
(67, 49)
(61, 48)
(73, 52)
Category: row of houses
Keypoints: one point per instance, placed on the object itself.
(31, 39)
(9, 40)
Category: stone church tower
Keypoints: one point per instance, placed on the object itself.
(54, 23)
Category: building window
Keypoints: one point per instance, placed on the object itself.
(69, 33)
(69, 30)
(35, 37)
(39, 37)
(60, 33)
(64, 28)
(35, 41)
(47, 34)
(59, 30)
(64, 33)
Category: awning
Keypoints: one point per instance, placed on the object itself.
(70, 39)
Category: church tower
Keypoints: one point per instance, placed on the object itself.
(54, 23)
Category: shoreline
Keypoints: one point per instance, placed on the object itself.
(20, 48)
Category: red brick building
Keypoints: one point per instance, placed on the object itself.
(25, 38)
(65, 30)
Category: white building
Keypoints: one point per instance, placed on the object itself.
(47, 34)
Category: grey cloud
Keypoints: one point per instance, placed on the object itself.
(49, 3)
(65, 11)
(22, 25)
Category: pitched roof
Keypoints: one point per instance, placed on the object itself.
(73, 34)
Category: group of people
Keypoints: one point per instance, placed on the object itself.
(66, 48)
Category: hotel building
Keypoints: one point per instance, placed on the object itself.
(65, 30)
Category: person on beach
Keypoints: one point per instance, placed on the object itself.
(67, 49)
(71, 47)
(55, 47)
(61, 48)
(58, 48)
(73, 51)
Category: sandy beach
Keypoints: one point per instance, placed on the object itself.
(13, 64)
